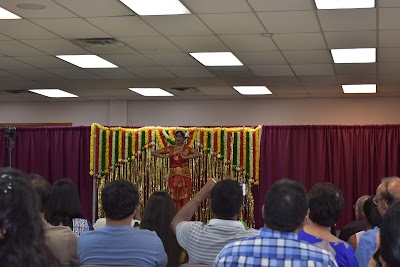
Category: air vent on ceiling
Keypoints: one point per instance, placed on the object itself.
(184, 90)
(98, 42)
(14, 92)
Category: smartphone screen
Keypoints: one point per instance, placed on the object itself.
(243, 189)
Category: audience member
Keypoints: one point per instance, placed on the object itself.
(137, 217)
(64, 207)
(358, 225)
(202, 241)
(326, 203)
(22, 237)
(118, 243)
(60, 239)
(157, 216)
(387, 192)
(372, 219)
(284, 211)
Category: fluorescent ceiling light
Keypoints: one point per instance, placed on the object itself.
(56, 93)
(359, 88)
(253, 90)
(87, 61)
(5, 14)
(151, 91)
(156, 7)
(354, 55)
(344, 4)
(213, 59)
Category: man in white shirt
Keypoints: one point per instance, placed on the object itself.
(204, 241)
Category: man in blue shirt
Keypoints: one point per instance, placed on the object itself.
(284, 211)
(118, 243)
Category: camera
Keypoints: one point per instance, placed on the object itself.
(10, 132)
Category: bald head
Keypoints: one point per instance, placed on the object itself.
(387, 192)
(359, 206)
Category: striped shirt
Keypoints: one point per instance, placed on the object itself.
(275, 249)
(203, 242)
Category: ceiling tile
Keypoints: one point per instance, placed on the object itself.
(23, 29)
(127, 26)
(74, 74)
(174, 59)
(113, 73)
(51, 10)
(389, 68)
(190, 71)
(354, 69)
(389, 78)
(261, 58)
(8, 63)
(111, 50)
(389, 54)
(96, 8)
(389, 18)
(35, 74)
(389, 38)
(348, 19)
(217, 6)
(71, 28)
(353, 39)
(129, 60)
(178, 25)
(281, 5)
(328, 89)
(318, 80)
(299, 41)
(46, 62)
(299, 89)
(235, 23)
(289, 21)
(248, 43)
(199, 43)
(313, 69)
(15, 48)
(218, 90)
(271, 70)
(56, 46)
(151, 72)
(389, 3)
(356, 79)
(308, 56)
(151, 44)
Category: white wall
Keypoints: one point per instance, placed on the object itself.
(370, 110)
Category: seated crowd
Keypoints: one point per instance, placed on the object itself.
(42, 225)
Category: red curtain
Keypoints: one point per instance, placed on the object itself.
(54, 153)
(354, 158)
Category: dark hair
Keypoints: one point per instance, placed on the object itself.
(119, 199)
(157, 216)
(285, 206)
(24, 241)
(226, 199)
(390, 235)
(180, 132)
(42, 188)
(63, 204)
(371, 212)
(326, 203)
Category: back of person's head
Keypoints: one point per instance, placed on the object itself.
(372, 215)
(157, 216)
(285, 206)
(326, 203)
(226, 199)
(119, 199)
(63, 204)
(392, 192)
(390, 236)
(22, 240)
(359, 206)
(42, 188)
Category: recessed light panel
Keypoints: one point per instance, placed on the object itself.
(354, 55)
(359, 88)
(151, 91)
(216, 59)
(87, 61)
(156, 7)
(344, 4)
(55, 93)
(253, 90)
(5, 14)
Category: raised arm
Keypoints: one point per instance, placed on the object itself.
(187, 211)
(161, 153)
(193, 154)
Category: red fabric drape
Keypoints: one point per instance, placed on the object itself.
(54, 153)
(354, 158)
